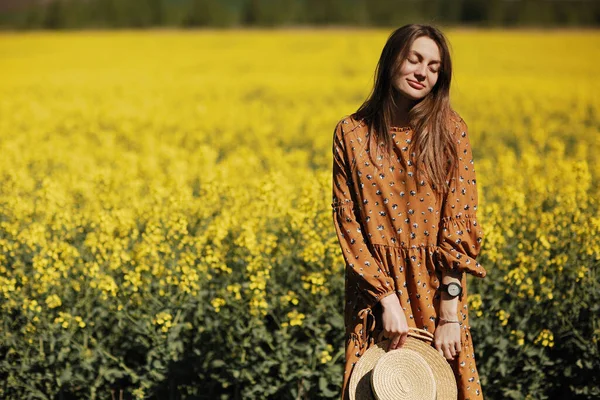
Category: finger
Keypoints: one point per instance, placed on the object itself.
(438, 347)
(447, 353)
(393, 342)
(452, 350)
(397, 338)
(403, 337)
(458, 347)
(441, 353)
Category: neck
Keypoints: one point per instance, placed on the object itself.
(400, 112)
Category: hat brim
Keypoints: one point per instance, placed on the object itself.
(360, 379)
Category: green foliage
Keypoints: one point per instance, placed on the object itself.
(70, 14)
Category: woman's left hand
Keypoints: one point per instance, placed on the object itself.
(447, 339)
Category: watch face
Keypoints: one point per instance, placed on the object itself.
(453, 289)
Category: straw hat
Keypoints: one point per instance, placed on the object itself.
(413, 371)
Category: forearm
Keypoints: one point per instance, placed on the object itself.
(448, 305)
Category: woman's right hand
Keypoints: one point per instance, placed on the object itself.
(394, 322)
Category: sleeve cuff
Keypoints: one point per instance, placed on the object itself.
(373, 294)
(459, 245)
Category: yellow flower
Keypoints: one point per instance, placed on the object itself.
(315, 282)
(290, 297)
(217, 303)
(235, 289)
(519, 336)
(80, 322)
(474, 301)
(53, 301)
(164, 320)
(503, 317)
(32, 305)
(63, 319)
(325, 355)
(295, 317)
(545, 337)
(581, 273)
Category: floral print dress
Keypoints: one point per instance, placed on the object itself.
(397, 236)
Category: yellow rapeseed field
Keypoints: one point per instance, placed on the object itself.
(142, 170)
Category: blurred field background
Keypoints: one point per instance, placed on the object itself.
(77, 14)
(165, 217)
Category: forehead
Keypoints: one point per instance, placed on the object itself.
(426, 47)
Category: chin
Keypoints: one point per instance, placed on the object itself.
(410, 93)
(412, 96)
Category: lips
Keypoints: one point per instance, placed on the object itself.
(416, 85)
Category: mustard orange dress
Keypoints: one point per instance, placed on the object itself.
(397, 237)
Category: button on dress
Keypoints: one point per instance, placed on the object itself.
(397, 236)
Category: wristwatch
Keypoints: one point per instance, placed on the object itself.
(453, 289)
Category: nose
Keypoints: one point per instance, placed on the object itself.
(421, 72)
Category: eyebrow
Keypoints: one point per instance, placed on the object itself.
(419, 54)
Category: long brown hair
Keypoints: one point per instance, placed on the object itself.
(435, 152)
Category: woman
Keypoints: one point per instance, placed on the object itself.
(404, 208)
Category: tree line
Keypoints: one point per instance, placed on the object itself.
(78, 14)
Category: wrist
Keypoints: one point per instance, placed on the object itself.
(448, 314)
(448, 306)
(389, 300)
(447, 299)
(443, 320)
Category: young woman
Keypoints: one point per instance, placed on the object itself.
(404, 208)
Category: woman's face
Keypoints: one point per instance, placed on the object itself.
(419, 71)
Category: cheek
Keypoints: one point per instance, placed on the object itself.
(433, 80)
(405, 69)
(401, 76)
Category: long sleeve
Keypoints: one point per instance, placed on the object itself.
(373, 283)
(460, 235)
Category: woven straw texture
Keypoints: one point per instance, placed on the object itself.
(403, 374)
(360, 380)
(445, 382)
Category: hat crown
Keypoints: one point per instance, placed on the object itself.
(419, 342)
